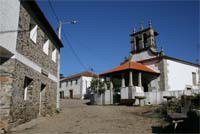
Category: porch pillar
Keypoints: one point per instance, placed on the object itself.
(130, 78)
(111, 85)
(105, 85)
(140, 79)
(111, 91)
(123, 81)
(130, 88)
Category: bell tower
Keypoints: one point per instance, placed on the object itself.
(143, 39)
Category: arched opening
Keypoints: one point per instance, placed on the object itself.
(145, 40)
(137, 43)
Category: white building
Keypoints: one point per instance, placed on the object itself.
(150, 75)
(76, 86)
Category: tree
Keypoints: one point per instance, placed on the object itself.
(62, 76)
(97, 85)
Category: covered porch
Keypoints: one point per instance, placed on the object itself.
(134, 79)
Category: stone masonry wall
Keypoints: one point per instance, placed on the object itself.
(7, 69)
(34, 51)
(14, 109)
(25, 110)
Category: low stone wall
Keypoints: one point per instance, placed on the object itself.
(105, 98)
(151, 97)
(131, 92)
(157, 97)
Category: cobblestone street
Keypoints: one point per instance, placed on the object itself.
(77, 117)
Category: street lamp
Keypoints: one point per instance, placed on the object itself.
(58, 75)
(62, 23)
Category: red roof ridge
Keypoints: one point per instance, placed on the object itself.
(131, 65)
(86, 73)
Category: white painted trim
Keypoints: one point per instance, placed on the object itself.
(52, 77)
(54, 55)
(46, 47)
(27, 62)
(33, 34)
(25, 92)
(32, 65)
(40, 104)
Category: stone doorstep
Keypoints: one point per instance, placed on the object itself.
(25, 126)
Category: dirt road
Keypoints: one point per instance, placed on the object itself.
(78, 118)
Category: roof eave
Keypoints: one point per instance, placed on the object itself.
(33, 6)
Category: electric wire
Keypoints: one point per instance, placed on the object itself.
(68, 42)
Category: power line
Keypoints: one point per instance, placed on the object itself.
(69, 44)
(73, 51)
(89, 49)
(52, 9)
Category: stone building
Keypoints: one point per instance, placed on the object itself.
(29, 62)
(150, 75)
(76, 86)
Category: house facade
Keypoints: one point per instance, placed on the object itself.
(29, 61)
(150, 75)
(76, 86)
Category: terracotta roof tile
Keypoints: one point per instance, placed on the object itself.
(130, 65)
(88, 74)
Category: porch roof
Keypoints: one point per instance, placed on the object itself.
(130, 66)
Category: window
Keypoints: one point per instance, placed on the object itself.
(194, 78)
(76, 81)
(66, 83)
(86, 84)
(137, 43)
(42, 87)
(145, 40)
(33, 32)
(42, 98)
(46, 47)
(54, 54)
(71, 82)
(60, 85)
(28, 86)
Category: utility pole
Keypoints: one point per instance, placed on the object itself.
(58, 75)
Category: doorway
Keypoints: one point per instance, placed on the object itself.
(42, 99)
(62, 95)
(71, 94)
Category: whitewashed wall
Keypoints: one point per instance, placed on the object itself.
(9, 13)
(142, 56)
(124, 93)
(86, 83)
(83, 84)
(180, 75)
(105, 98)
(67, 87)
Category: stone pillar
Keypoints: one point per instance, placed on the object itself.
(130, 79)
(141, 42)
(111, 92)
(134, 44)
(140, 79)
(123, 81)
(130, 88)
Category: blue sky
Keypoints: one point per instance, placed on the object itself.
(101, 36)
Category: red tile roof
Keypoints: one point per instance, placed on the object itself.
(130, 65)
(88, 74)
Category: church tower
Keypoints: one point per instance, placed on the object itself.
(143, 39)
